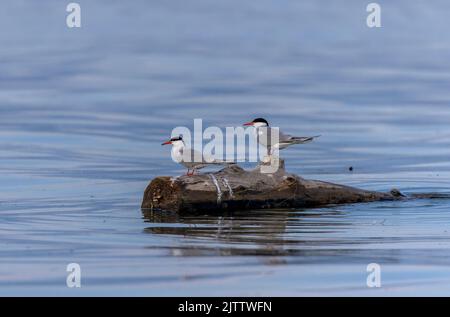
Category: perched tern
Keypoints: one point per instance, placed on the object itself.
(264, 136)
(191, 159)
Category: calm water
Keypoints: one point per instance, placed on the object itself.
(83, 113)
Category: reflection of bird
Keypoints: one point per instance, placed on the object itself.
(264, 134)
(190, 158)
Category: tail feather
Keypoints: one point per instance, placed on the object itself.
(301, 140)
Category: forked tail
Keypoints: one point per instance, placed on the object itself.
(302, 140)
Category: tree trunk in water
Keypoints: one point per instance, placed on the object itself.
(234, 188)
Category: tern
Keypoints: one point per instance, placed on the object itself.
(187, 157)
(264, 136)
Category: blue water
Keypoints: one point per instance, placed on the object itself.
(83, 113)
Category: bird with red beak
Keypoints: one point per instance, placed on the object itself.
(266, 135)
(190, 158)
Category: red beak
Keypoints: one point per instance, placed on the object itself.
(167, 142)
(248, 123)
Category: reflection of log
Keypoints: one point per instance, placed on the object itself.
(233, 188)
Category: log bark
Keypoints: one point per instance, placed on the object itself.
(234, 188)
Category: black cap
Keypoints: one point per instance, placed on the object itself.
(260, 120)
(177, 138)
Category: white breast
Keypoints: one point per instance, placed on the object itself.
(177, 152)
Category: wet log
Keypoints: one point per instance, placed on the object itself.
(234, 188)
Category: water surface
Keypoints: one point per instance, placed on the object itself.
(83, 113)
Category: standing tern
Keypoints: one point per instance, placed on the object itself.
(264, 135)
(191, 159)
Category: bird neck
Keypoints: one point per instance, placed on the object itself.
(259, 129)
(177, 148)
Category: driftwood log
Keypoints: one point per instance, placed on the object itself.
(234, 188)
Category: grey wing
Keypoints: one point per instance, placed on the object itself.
(285, 137)
(201, 161)
(267, 136)
(191, 158)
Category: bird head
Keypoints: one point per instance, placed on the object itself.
(258, 122)
(175, 141)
